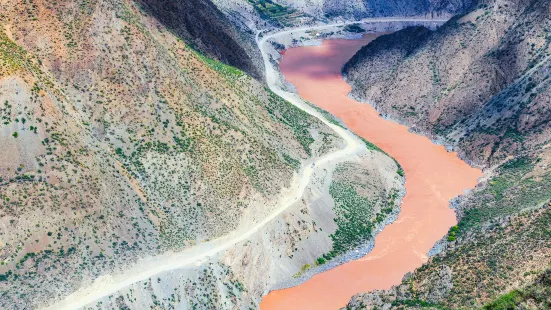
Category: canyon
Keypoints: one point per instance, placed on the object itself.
(238, 154)
(434, 176)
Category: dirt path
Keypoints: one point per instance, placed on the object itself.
(147, 268)
(110, 284)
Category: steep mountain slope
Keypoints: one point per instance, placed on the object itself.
(123, 139)
(445, 83)
(199, 22)
(481, 85)
(536, 294)
(120, 141)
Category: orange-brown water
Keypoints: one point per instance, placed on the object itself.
(433, 177)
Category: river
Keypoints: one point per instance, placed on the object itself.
(433, 177)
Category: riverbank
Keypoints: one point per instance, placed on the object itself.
(434, 177)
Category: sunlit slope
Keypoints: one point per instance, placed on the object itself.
(121, 141)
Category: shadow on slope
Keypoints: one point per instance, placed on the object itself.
(200, 24)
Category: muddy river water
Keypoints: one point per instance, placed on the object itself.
(433, 177)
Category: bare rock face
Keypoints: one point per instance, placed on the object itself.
(372, 300)
(436, 288)
(432, 290)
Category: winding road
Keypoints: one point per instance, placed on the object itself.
(147, 268)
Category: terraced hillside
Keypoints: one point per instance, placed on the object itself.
(282, 16)
(119, 141)
(481, 85)
(262, 15)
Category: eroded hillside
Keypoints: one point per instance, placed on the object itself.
(120, 141)
(480, 84)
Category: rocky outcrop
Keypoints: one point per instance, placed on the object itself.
(434, 288)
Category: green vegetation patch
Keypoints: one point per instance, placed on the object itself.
(12, 56)
(452, 233)
(227, 71)
(291, 161)
(507, 301)
(354, 214)
(276, 13)
(355, 217)
(372, 147)
(299, 121)
(435, 73)
(507, 193)
(328, 116)
(536, 295)
(252, 173)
